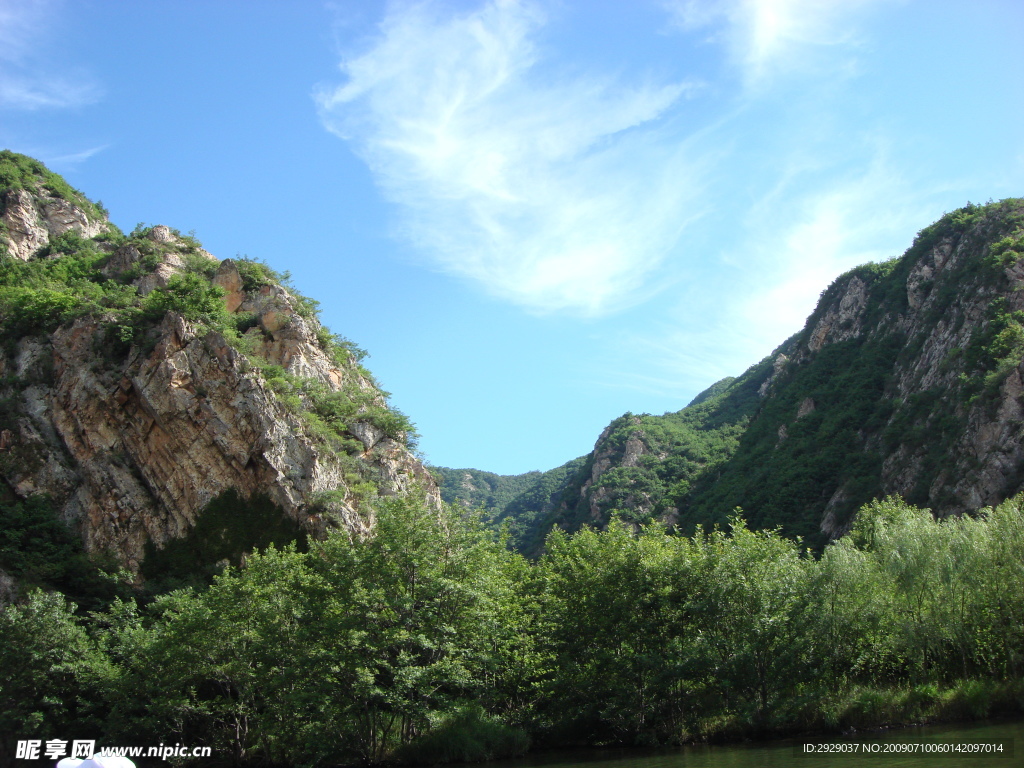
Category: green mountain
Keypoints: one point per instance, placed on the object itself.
(906, 379)
(208, 378)
(178, 411)
(213, 531)
(521, 505)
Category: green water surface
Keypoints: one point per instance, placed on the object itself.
(782, 754)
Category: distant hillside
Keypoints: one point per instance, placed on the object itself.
(521, 504)
(906, 379)
(476, 489)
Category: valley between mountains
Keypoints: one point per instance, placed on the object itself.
(216, 530)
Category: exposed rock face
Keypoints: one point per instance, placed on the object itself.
(843, 320)
(133, 448)
(228, 279)
(606, 456)
(806, 407)
(593, 494)
(948, 310)
(31, 220)
(778, 366)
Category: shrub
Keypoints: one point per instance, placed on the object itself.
(191, 296)
(469, 735)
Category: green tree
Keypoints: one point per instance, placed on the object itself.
(346, 652)
(749, 611)
(606, 636)
(190, 295)
(51, 674)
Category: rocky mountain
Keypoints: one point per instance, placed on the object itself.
(906, 379)
(174, 410)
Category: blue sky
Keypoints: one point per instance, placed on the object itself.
(536, 216)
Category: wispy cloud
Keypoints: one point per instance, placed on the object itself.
(73, 158)
(766, 38)
(27, 78)
(29, 92)
(791, 245)
(556, 192)
(854, 218)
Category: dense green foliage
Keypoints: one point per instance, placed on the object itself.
(787, 479)
(431, 640)
(527, 516)
(22, 172)
(521, 505)
(50, 673)
(40, 295)
(41, 550)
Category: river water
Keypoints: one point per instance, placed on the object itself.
(957, 746)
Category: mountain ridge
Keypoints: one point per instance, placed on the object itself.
(143, 381)
(123, 353)
(905, 380)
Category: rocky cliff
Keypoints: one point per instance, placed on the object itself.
(142, 382)
(906, 379)
(953, 439)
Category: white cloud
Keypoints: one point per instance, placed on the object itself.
(768, 37)
(30, 92)
(27, 78)
(70, 159)
(674, 360)
(553, 192)
(871, 216)
(794, 241)
(20, 21)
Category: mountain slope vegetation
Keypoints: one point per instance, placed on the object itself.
(152, 396)
(213, 532)
(906, 379)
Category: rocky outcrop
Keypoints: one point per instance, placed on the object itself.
(592, 493)
(31, 220)
(134, 453)
(132, 442)
(951, 287)
(842, 320)
(806, 408)
(778, 366)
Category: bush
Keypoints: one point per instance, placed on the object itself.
(255, 273)
(41, 550)
(469, 735)
(191, 296)
(65, 243)
(51, 673)
(199, 264)
(36, 310)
